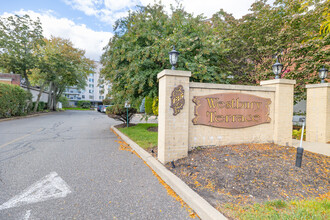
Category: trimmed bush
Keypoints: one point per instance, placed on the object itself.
(65, 101)
(84, 104)
(41, 106)
(155, 106)
(107, 102)
(148, 105)
(119, 113)
(296, 134)
(13, 100)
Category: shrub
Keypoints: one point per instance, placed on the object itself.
(148, 105)
(84, 104)
(13, 100)
(107, 101)
(119, 113)
(296, 134)
(65, 101)
(41, 106)
(155, 106)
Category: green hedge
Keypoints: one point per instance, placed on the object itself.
(148, 106)
(155, 106)
(41, 106)
(13, 100)
(84, 104)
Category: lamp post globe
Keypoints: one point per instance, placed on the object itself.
(174, 55)
(323, 73)
(277, 69)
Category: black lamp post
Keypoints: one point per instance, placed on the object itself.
(174, 55)
(323, 73)
(277, 69)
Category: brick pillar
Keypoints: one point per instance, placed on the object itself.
(318, 113)
(283, 109)
(172, 129)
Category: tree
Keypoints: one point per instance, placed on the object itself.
(218, 50)
(60, 66)
(287, 31)
(139, 51)
(19, 38)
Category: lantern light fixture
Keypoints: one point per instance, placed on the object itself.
(277, 69)
(174, 55)
(323, 73)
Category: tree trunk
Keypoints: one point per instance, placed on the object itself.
(49, 104)
(38, 98)
(28, 86)
(54, 98)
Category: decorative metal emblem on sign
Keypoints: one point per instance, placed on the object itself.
(177, 99)
(231, 110)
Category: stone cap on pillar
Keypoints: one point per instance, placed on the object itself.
(278, 81)
(173, 73)
(320, 85)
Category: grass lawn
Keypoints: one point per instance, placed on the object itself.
(318, 208)
(80, 109)
(140, 135)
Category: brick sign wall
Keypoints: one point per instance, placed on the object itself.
(201, 114)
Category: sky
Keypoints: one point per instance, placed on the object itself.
(88, 23)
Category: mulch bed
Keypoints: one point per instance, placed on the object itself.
(252, 173)
(123, 125)
(153, 129)
(249, 173)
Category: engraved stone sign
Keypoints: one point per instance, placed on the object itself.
(231, 110)
(177, 99)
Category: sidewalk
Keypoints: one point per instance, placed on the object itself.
(319, 148)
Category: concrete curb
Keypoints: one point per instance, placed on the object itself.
(27, 116)
(203, 209)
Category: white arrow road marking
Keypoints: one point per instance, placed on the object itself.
(27, 215)
(50, 187)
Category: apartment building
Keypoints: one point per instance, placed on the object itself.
(95, 91)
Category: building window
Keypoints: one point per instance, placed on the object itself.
(91, 80)
(91, 97)
(91, 74)
(91, 85)
(101, 97)
(91, 91)
(71, 91)
(83, 96)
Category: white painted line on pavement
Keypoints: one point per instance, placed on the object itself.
(50, 187)
(27, 215)
(20, 138)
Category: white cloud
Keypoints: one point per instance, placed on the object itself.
(81, 36)
(208, 7)
(108, 11)
(116, 5)
(87, 6)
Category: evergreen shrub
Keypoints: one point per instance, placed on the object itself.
(119, 113)
(84, 104)
(155, 106)
(13, 100)
(148, 106)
